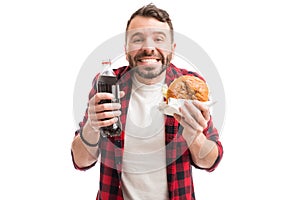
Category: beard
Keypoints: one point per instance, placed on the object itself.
(149, 72)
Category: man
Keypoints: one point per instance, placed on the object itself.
(154, 155)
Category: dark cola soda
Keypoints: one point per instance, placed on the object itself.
(107, 82)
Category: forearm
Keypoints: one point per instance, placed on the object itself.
(83, 154)
(204, 152)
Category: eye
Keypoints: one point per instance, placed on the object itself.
(159, 39)
(137, 40)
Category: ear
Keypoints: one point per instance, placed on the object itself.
(173, 49)
(125, 51)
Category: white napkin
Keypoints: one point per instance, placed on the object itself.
(173, 106)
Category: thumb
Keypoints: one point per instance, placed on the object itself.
(177, 117)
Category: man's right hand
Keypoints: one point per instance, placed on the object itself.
(99, 115)
(105, 114)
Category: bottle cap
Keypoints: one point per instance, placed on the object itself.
(108, 70)
(106, 62)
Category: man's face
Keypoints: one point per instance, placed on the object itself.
(149, 46)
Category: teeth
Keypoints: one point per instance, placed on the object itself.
(149, 60)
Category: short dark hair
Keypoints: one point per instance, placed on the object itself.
(151, 10)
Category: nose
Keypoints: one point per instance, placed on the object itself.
(148, 51)
(148, 47)
(148, 44)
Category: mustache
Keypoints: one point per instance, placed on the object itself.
(147, 53)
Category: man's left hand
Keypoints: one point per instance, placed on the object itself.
(194, 118)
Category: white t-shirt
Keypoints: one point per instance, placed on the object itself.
(144, 160)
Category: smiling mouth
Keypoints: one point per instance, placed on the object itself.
(149, 60)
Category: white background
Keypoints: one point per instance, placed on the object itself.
(254, 45)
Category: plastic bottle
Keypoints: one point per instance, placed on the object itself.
(107, 82)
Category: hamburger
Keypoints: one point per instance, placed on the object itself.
(188, 87)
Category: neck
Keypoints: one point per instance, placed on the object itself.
(152, 81)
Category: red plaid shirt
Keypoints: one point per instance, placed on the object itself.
(178, 158)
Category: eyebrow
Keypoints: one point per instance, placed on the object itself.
(136, 34)
(155, 32)
(160, 32)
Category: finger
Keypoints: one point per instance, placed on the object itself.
(194, 116)
(98, 108)
(189, 133)
(106, 107)
(103, 123)
(103, 96)
(98, 97)
(187, 117)
(177, 117)
(180, 119)
(105, 115)
(196, 113)
(204, 109)
(122, 94)
(185, 124)
(201, 116)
